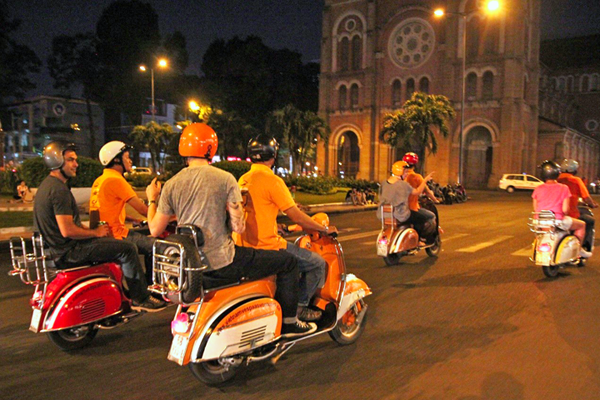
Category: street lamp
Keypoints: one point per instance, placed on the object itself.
(491, 7)
(162, 63)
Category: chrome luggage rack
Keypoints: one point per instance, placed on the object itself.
(32, 267)
(169, 270)
(542, 222)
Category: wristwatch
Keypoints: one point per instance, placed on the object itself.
(151, 202)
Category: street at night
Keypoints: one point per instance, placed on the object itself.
(479, 322)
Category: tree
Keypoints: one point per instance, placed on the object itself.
(153, 138)
(74, 61)
(411, 126)
(17, 61)
(299, 130)
(233, 132)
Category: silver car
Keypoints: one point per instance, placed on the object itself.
(511, 182)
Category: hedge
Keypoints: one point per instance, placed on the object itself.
(33, 172)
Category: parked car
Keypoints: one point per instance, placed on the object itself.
(511, 182)
(140, 171)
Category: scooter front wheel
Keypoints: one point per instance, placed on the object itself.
(550, 271)
(73, 338)
(351, 326)
(434, 250)
(213, 372)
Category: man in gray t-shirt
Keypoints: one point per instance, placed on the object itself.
(210, 199)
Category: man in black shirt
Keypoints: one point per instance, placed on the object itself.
(56, 217)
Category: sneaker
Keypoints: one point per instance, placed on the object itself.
(585, 254)
(151, 304)
(308, 314)
(299, 328)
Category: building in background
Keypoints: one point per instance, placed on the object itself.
(35, 122)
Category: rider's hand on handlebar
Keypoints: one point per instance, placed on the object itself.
(332, 230)
(282, 229)
(102, 231)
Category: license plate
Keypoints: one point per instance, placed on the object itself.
(178, 348)
(35, 320)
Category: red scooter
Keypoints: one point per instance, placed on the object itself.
(70, 305)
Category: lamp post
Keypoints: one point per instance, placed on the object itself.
(162, 63)
(492, 6)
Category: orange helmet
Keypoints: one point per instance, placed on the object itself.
(198, 140)
(398, 168)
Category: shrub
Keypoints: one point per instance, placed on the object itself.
(140, 180)
(236, 168)
(33, 172)
(9, 180)
(318, 185)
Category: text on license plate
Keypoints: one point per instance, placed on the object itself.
(178, 348)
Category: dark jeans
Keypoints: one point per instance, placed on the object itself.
(100, 250)
(255, 264)
(424, 222)
(144, 246)
(590, 222)
(312, 272)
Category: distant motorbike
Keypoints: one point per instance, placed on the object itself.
(220, 326)
(553, 247)
(397, 240)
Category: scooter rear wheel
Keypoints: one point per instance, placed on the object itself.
(348, 328)
(73, 338)
(551, 271)
(213, 372)
(392, 259)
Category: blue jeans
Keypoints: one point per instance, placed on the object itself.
(144, 245)
(312, 272)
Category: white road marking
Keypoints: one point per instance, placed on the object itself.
(457, 236)
(525, 252)
(358, 236)
(483, 245)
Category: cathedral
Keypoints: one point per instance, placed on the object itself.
(376, 53)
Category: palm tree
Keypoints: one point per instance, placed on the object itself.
(299, 129)
(153, 138)
(411, 126)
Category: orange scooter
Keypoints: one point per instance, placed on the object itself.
(217, 330)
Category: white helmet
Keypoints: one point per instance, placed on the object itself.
(112, 150)
(569, 165)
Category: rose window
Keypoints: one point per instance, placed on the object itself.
(411, 43)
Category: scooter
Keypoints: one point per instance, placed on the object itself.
(70, 305)
(553, 248)
(397, 240)
(218, 328)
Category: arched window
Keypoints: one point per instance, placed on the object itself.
(595, 85)
(424, 85)
(344, 54)
(525, 88)
(343, 97)
(585, 83)
(410, 87)
(356, 53)
(554, 84)
(397, 93)
(570, 84)
(473, 35)
(491, 34)
(354, 96)
(561, 84)
(487, 91)
(471, 86)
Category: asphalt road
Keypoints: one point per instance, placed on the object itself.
(479, 322)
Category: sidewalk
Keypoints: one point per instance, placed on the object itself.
(26, 231)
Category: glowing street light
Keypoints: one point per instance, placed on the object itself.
(162, 63)
(492, 6)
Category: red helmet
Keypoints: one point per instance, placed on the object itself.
(198, 140)
(411, 159)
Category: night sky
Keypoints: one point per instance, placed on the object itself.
(292, 24)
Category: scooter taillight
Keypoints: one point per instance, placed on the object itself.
(36, 299)
(544, 248)
(383, 240)
(181, 324)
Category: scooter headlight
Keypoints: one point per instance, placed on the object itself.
(181, 324)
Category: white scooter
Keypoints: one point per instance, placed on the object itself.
(553, 247)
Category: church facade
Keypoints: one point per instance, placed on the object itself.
(376, 53)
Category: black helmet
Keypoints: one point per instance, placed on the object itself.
(550, 170)
(262, 148)
(54, 153)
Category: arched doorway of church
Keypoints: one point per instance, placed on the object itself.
(477, 166)
(348, 155)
